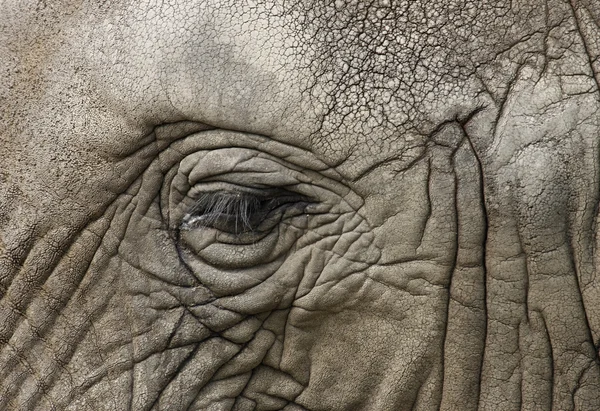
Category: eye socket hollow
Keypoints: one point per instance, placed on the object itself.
(239, 212)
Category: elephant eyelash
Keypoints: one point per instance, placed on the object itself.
(212, 206)
(233, 212)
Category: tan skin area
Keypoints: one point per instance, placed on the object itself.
(424, 277)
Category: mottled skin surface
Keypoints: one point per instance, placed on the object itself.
(439, 244)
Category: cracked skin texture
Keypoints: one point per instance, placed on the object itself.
(437, 243)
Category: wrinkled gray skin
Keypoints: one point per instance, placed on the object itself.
(438, 249)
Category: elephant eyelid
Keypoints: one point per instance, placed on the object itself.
(210, 206)
(238, 211)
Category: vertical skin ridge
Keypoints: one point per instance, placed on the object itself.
(581, 236)
(553, 274)
(464, 345)
(583, 17)
(550, 345)
(537, 371)
(430, 393)
(542, 196)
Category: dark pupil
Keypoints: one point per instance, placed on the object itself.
(232, 212)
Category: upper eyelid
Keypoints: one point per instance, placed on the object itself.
(246, 205)
(216, 186)
(223, 200)
(213, 205)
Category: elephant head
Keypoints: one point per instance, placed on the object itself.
(299, 205)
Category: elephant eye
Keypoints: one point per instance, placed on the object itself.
(237, 212)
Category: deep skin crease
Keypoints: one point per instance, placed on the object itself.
(299, 205)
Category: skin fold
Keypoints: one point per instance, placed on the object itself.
(299, 205)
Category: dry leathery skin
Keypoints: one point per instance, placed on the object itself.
(299, 205)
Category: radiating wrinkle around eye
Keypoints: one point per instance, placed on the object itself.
(230, 209)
